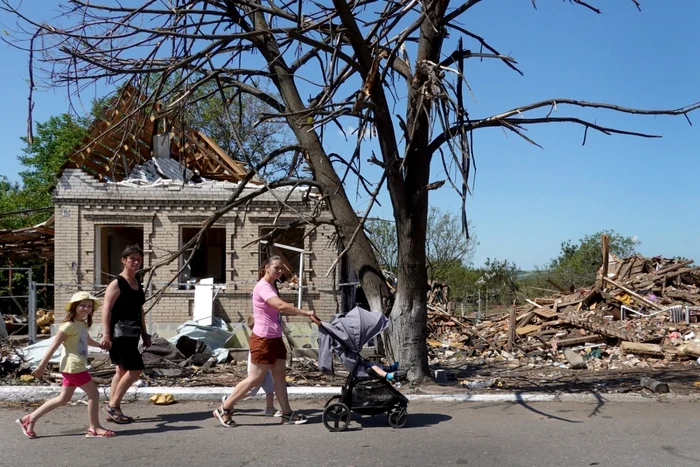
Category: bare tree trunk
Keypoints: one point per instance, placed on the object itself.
(360, 254)
(410, 201)
(409, 314)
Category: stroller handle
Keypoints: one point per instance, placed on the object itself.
(315, 320)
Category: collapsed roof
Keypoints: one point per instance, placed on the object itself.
(126, 136)
(35, 242)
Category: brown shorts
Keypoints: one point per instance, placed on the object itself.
(264, 351)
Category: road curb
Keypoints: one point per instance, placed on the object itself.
(213, 393)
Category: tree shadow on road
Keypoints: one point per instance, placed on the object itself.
(674, 452)
(521, 402)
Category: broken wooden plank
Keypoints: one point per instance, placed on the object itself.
(524, 320)
(654, 350)
(668, 269)
(545, 313)
(691, 349)
(634, 294)
(511, 328)
(521, 331)
(589, 339)
(605, 240)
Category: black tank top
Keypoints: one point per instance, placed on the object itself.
(129, 303)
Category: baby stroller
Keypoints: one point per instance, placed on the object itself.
(364, 392)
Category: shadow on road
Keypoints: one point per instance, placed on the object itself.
(415, 420)
(674, 452)
(159, 428)
(522, 403)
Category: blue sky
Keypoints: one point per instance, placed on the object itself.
(527, 200)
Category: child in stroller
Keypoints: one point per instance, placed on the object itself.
(368, 389)
(389, 372)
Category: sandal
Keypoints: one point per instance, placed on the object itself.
(221, 412)
(93, 433)
(115, 415)
(293, 418)
(27, 432)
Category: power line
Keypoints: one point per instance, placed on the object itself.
(26, 211)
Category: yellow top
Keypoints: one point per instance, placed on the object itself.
(75, 347)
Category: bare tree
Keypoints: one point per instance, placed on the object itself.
(358, 60)
(445, 243)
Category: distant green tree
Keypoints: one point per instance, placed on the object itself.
(53, 142)
(500, 280)
(577, 263)
(446, 246)
(446, 243)
(382, 234)
(461, 279)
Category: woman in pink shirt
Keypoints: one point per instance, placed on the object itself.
(267, 350)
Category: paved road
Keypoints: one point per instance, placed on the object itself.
(472, 434)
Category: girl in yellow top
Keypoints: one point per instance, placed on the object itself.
(73, 334)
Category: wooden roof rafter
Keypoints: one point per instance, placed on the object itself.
(123, 139)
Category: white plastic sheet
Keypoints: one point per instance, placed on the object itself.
(35, 352)
(215, 337)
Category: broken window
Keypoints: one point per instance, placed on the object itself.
(291, 256)
(209, 260)
(111, 241)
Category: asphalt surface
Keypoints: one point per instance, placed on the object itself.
(474, 434)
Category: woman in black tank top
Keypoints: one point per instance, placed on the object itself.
(123, 324)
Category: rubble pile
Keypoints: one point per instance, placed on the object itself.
(642, 313)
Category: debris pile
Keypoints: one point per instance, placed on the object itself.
(438, 295)
(16, 324)
(642, 313)
(44, 320)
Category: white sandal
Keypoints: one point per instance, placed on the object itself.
(293, 419)
(219, 415)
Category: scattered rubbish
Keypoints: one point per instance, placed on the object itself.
(162, 399)
(657, 387)
(478, 384)
(44, 320)
(440, 376)
(27, 378)
(661, 296)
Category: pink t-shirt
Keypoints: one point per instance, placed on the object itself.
(267, 318)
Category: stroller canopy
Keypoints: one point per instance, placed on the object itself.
(347, 334)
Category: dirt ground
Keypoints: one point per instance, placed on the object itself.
(682, 377)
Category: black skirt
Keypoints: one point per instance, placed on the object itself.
(125, 353)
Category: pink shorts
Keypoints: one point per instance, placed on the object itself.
(76, 379)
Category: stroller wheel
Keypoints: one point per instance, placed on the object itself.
(397, 417)
(331, 400)
(336, 416)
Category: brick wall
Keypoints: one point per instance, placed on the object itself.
(82, 204)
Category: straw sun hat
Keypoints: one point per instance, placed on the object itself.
(80, 296)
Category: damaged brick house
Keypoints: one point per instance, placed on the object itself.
(132, 185)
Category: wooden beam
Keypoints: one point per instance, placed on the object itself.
(634, 294)
(637, 348)
(591, 338)
(605, 240)
(511, 327)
